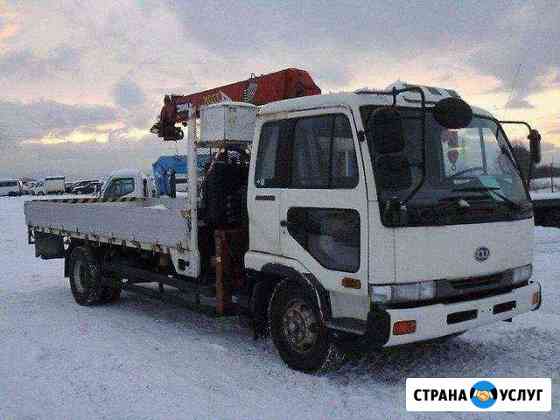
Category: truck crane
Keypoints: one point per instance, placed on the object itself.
(257, 90)
(366, 218)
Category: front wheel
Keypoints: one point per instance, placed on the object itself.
(298, 331)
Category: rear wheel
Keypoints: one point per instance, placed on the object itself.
(298, 331)
(110, 294)
(85, 277)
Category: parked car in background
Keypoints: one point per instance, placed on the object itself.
(54, 185)
(68, 186)
(37, 188)
(86, 187)
(26, 187)
(50, 185)
(10, 187)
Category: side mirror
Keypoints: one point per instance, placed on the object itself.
(385, 128)
(535, 146)
(453, 113)
(393, 172)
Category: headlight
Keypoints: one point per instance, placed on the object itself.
(521, 274)
(399, 293)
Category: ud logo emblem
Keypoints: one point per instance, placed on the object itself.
(481, 254)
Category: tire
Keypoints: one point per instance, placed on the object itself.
(552, 219)
(110, 294)
(299, 332)
(85, 277)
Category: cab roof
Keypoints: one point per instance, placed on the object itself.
(364, 97)
(126, 173)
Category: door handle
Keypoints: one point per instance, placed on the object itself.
(265, 198)
(283, 223)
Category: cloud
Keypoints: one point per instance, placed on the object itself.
(25, 65)
(79, 53)
(128, 94)
(523, 48)
(28, 121)
(336, 41)
(520, 103)
(8, 26)
(79, 160)
(547, 146)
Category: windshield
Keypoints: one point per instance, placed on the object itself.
(470, 174)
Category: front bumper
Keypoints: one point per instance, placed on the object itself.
(439, 320)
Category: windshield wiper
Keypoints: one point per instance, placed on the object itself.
(492, 190)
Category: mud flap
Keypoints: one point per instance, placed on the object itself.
(48, 246)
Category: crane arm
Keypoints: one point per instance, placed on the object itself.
(258, 90)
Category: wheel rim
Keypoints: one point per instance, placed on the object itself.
(300, 326)
(81, 277)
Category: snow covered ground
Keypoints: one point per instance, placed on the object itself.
(142, 359)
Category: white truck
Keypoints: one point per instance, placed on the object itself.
(51, 185)
(128, 183)
(10, 187)
(373, 218)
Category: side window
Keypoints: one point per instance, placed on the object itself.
(120, 187)
(323, 153)
(331, 236)
(344, 170)
(311, 152)
(127, 186)
(272, 163)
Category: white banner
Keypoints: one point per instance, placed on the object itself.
(478, 394)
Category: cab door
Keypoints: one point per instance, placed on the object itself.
(324, 209)
(269, 180)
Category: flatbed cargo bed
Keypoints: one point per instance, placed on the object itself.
(142, 223)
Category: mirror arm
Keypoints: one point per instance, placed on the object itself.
(508, 144)
(526, 124)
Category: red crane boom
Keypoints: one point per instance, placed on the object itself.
(258, 90)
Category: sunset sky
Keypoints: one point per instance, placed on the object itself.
(82, 81)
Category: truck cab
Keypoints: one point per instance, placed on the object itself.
(407, 229)
(128, 183)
